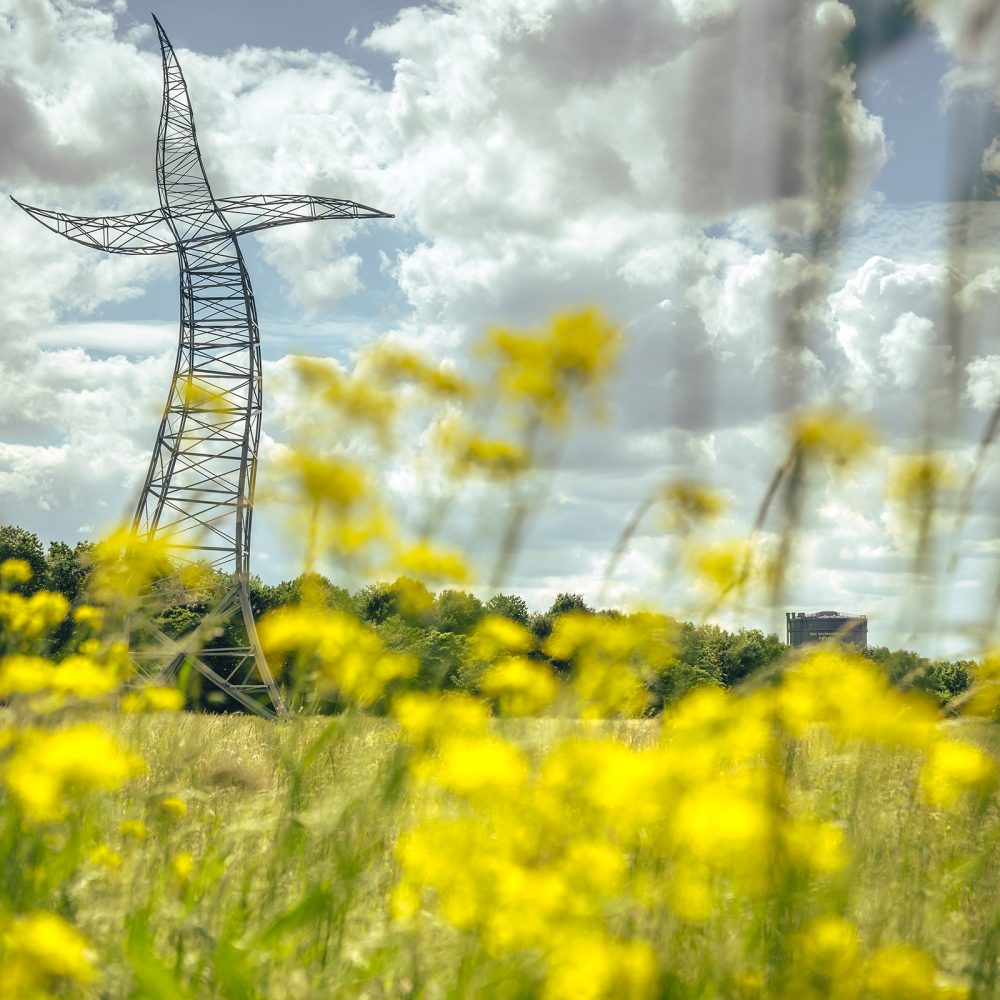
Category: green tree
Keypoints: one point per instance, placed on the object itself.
(746, 652)
(410, 599)
(67, 570)
(508, 606)
(564, 603)
(17, 543)
(456, 611)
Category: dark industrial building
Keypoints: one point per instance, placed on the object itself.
(804, 629)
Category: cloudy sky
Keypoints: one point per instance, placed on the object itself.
(669, 160)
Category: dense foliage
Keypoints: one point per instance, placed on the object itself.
(434, 628)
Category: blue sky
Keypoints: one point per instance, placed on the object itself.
(657, 156)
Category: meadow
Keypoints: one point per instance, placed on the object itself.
(253, 859)
(820, 829)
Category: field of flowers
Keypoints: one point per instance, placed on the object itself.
(816, 832)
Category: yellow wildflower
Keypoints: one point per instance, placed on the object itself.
(900, 972)
(984, 695)
(720, 568)
(393, 364)
(851, 697)
(426, 718)
(39, 948)
(333, 481)
(819, 847)
(14, 571)
(353, 398)
(427, 562)
(469, 766)
(469, 452)
(123, 565)
(521, 686)
(48, 767)
(722, 825)
(686, 503)
(591, 966)
(153, 698)
(830, 434)
(103, 856)
(33, 616)
(826, 959)
(134, 829)
(89, 617)
(917, 481)
(182, 865)
(174, 806)
(346, 653)
(575, 353)
(495, 634)
(952, 769)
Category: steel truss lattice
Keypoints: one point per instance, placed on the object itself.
(198, 494)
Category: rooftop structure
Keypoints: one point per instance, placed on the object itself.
(806, 629)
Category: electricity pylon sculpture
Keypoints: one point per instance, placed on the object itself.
(199, 489)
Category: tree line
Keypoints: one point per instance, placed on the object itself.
(435, 627)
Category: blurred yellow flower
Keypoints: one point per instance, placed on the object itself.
(31, 617)
(494, 635)
(428, 718)
(900, 972)
(470, 766)
(392, 364)
(182, 865)
(832, 435)
(590, 966)
(952, 769)
(103, 856)
(686, 503)
(47, 769)
(14, 571)
(575, 354)
(433, 564)
(916, 481)
(38, 948)
(520, 686)
(89, 616)
(345, 653)
(153, 698)
(134, 829)
(719, 568)
(174, 806)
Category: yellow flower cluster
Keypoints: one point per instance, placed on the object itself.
(47, 770)
(468, 452)
(357, 402)
(832, 435)
(828, 961)
(124, 565)
(519, 685)
(27, 618)
(40, 952)
(611, 658)
(575, 354)
(14, 571)
(686, 504)
(342, 651)
(587, 847)
(87, 674)
(392, 364)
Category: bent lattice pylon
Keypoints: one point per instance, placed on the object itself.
(198, 494)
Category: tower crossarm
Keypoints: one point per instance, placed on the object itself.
(253, 213)
(144, 233)
(139, 233)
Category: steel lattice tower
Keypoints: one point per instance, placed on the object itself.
(199, 490)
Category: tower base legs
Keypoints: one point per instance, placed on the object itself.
(240, 671)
